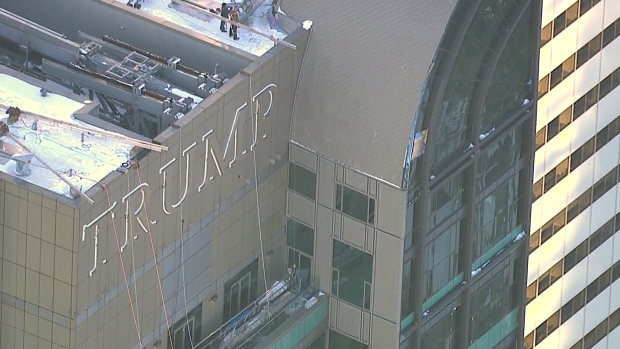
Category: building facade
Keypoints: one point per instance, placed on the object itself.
(572, 292)
(391, 170)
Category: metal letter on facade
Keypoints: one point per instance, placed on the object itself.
(96, 237)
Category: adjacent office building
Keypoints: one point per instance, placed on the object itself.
(572, 290)
(388, 167)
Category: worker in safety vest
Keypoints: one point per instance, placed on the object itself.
(234, 16)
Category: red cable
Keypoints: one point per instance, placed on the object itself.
(120, 256)
(161, 292)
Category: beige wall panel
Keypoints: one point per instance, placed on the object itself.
(349, 320)
(384, 334)
(303, 157)
(333, 312)
(354, 232)
(339, 173)
(301, 209)
(387, 273)
(337, 225)
(391, 206)
(323, 237)
(325, 182)
(365, 327)
(370, 239)
(356, 180)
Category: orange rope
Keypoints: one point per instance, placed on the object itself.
(161, 292)
(120, 256)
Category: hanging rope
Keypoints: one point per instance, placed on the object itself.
(120, 256)
(189, 330)
(133, 262)
(161, 291)
(260, 230)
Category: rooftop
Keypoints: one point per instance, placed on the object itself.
(188, 17)
(81, 162)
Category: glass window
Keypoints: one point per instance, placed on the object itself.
(545, 34)
(585, 6)
(553, 322)
(340, 341)
(544, 281)
(556, 76)
(491, 303)
(579, 108)
(556, 272)
(531, 292)
(543, 86)
(598, 190)
(511, 81)
(587, 149)
(301, 268)
(529, 341)
(302, 181)
(567, 311)
(442, 334)
(534, 241)
(602, 137)
(186, 332)
(605, 86)
(537, 189)
(496, 216)
(615, 78)
(562, 170)
(614, 320)
(541, 137)
(591, 97)
(445, 200)
(541, 332)
(553, 128)
(355, 268)
(581, 251)
(558, 221)
(499, 158)
(546, 232)
(582, 56)
(299, 236)
(578, 301)
(608, 35)
(442, 260)
(569, 261)
(576, 159)
(572, 13)
(568, 66)
(355, 204)
(565, 117)
(240, 291)
(550, 180)
(559, 23)
(594, 46)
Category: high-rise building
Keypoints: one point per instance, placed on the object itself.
(366, 183)
(572, 296)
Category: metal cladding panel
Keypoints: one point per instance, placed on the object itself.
(362, 77)
(99, 18)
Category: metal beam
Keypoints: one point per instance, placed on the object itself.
(95, 132)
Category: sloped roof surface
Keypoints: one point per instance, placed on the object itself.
(362, 77)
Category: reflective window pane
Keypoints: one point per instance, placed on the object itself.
(302, 181)
(354, 268)
(299, 236)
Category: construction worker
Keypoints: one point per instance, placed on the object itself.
(224, 13)
(234, 16)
